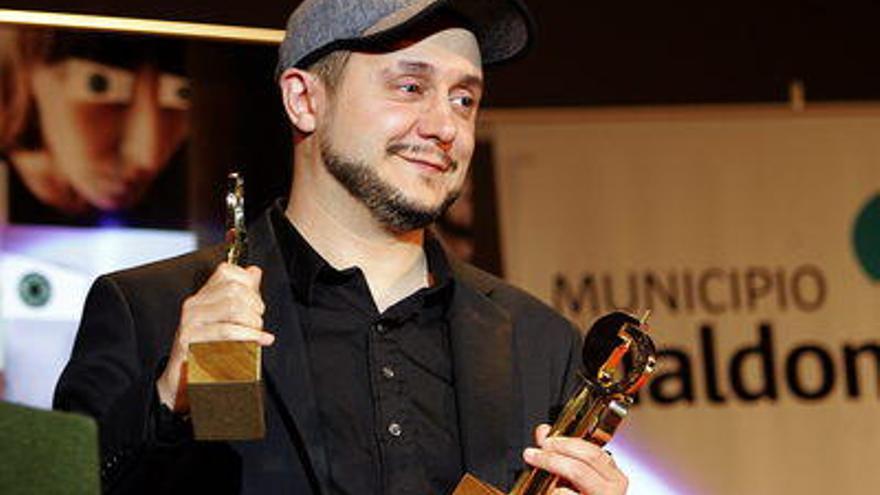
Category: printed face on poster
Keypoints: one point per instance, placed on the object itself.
(92, 126)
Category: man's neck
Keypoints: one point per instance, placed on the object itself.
(344, 233)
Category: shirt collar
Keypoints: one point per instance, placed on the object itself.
(438, 267)
(304, 264)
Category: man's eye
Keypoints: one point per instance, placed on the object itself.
(465, 101)
(411, 88)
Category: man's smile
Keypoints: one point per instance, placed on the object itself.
(422, 156)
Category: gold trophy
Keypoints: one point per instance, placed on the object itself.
(618, 358)
(223, 378)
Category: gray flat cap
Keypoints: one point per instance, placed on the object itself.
(503, 28)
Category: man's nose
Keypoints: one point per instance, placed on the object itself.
(141, 146)
(438, 123)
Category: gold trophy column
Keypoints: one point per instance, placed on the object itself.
(224, 385)
(602, 402)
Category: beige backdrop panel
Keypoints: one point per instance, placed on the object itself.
(677, 196)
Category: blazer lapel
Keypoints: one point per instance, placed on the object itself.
(482, 347)
(285, 363)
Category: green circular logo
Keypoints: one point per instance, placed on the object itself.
(34, 289)
(866, 238)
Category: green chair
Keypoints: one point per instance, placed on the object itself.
(47, 452)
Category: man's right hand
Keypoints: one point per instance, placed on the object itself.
(227, 307)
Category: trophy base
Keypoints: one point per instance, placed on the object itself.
(224, 390)
(472, 486)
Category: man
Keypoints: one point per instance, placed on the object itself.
(389, 368)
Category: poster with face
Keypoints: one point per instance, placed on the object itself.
(114, 149)
(93, 133)
(92, 127)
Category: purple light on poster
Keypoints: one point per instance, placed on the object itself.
(644, 476)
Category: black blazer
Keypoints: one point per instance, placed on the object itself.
(514, 361)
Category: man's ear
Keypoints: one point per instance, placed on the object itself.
(302, 94)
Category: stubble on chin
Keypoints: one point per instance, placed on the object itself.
(388, 205)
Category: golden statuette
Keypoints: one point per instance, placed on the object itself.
(236, 231)
(224, 378)
(618, 358)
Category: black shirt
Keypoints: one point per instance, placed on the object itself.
(384, 381)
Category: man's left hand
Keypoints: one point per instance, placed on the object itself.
(586, 468)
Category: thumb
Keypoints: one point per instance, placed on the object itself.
(541, 432)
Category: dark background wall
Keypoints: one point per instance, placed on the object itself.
(611, 53)
(594, 53)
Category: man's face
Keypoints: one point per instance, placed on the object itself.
(399, 132)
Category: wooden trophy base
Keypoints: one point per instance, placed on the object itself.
(472, 486)
(225, 391)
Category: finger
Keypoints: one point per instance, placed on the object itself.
(219, 312)
(581, 475)
(228, 271)
(586, 452)
(231, 292)
(223, 303)
(223, 332)
(236, 312)
(563, 491)
(236, 291)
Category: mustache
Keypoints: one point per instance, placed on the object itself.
(420, 150)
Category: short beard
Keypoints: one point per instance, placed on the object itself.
(387, 205)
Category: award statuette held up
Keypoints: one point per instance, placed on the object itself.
(603, 399)
(223, 378)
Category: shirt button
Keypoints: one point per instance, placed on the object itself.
(380, 327)
(395, 429)
(387, 372)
